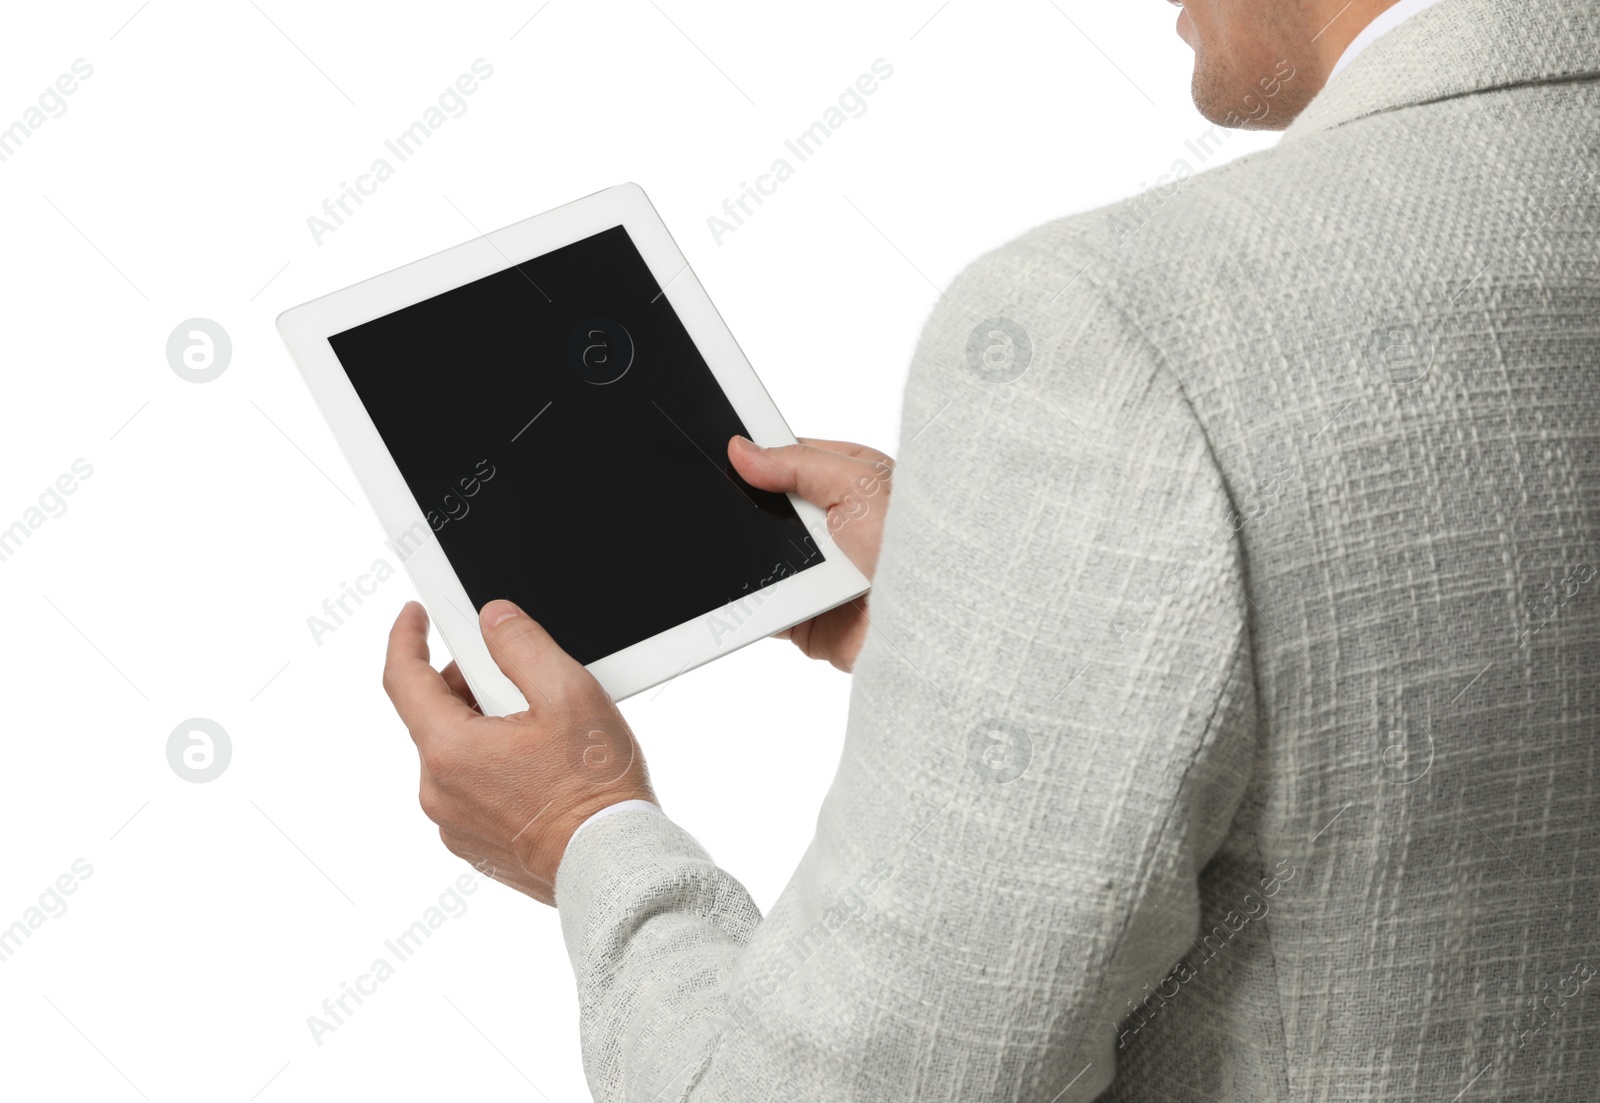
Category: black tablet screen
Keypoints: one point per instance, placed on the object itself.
(567, 444)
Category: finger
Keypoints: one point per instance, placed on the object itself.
(419, 692)
(524, 651)
(821, 477)
(458, 683)
(849, 448)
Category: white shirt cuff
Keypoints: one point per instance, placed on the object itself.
(620, 806)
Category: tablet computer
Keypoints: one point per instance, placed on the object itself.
(543, 414)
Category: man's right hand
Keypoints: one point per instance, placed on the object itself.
(851, 483)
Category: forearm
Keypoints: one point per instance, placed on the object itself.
(653, 928)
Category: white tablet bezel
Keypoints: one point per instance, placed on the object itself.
(305, 330)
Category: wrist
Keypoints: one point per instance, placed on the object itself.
(550, 846)
(625, 805)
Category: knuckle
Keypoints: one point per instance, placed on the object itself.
(580, 694)
(432, 806)
(437, 760)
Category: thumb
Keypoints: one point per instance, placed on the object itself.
(821, 477)
(525, 652)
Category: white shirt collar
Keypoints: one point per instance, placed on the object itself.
(1386, 21)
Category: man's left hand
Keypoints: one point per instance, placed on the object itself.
(508, 791)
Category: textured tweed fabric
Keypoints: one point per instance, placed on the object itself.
(1228, 723)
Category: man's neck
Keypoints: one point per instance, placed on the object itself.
(1340, 22)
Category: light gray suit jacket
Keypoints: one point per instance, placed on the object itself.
(1228, 724)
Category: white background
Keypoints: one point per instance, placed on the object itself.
(218, 517)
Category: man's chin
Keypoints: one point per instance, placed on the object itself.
(1245, 106)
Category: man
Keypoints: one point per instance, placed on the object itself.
(1225, 725)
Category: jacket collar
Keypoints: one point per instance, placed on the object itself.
(1457, 48)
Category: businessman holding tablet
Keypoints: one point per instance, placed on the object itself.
(1224, 714)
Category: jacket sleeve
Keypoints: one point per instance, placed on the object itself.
(1051, 726)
